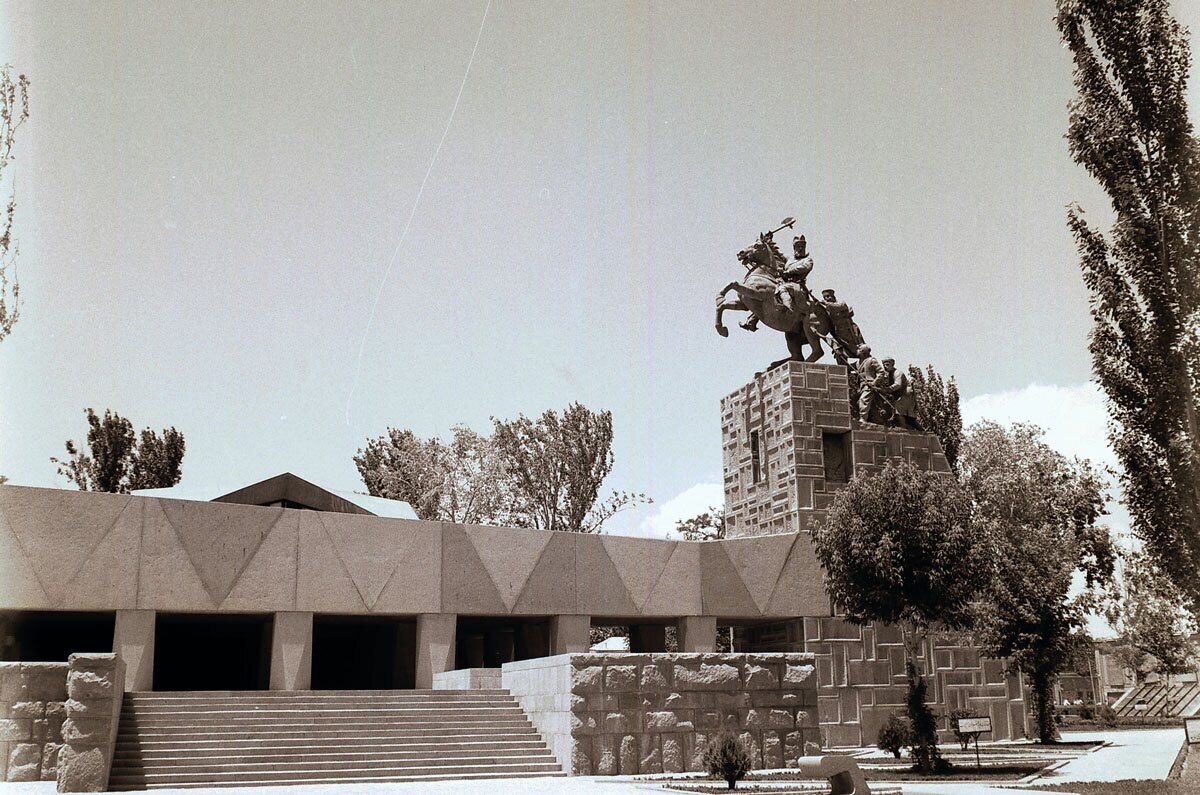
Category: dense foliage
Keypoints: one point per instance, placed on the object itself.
(1150, 618)
(707, 526)
(1129, 127)
(118, 461)
(898, 546)
(937, 409)
(544, 473)
(894, 735)
(1040, 512)
(14, 111)
(726, 757)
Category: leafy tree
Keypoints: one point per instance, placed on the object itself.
(708, 526)
(118, 462)
(898, 546)
(894, 735)
(1131, 659)
(1152, 621)
(544, 473)
(460, 481)
(14, 111)
(1129, 128)
(556, 465)
(1040, 510)
(937, 409)
(726, 757)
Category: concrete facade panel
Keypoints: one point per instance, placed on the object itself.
(466, 585)
(268, 582)
(639, 563)
(550, 589)
(509, 555)
(677, 592)
(415, 584)
(724, 593)
(800, 589)
(167, 580)
(322, 583)
(759, 561)
(19, 586)
(219, 539)
(599, 589)
(108, 579)
(369, 551)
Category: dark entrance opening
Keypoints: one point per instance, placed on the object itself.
(490, 642)
(51, 636)
(363, 653)
(209, 651)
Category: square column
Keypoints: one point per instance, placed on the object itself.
(133, 641)
(570, 634)
(291, 651)
(697, 634)
(435, 646)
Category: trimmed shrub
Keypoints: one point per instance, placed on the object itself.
(726, 757)
(963, 740)
(894, 734)
(1106, 716)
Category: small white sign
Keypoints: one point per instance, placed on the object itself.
(974, 725)
(1192, 727)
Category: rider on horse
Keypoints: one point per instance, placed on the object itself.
(792, 279)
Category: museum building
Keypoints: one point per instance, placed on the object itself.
(285, 586)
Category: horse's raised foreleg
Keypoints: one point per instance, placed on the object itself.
(722, 305)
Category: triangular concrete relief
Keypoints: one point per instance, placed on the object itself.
(415, 585)
(109, 577)
(60, 531)
(677, 592)
(550, 589)
(19, 585)
(220, 539)
(639, 562)
(167, 578)
(600, 589)
(370, 550)
(758, 561)
(800, 589)
(269, 580)
(466, 585)
(323, 584)
(723, 593)
(509, 554)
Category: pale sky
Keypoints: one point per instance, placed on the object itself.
(210, 196)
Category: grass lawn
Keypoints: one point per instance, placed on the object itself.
(960, 772)
(1168, 787)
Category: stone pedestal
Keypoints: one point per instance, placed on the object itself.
(570, 634)
(133, 642)
(435, 646)
(697, 634)
(291, 651)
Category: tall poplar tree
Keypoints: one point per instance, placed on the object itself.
(1129, 127)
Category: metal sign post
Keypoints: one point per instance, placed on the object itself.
(975, 726)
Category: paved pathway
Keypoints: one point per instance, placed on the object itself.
(1143, 754)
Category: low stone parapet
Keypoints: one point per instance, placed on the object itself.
(615, 713)
(89, 733)
(31, 716)
(468, 679)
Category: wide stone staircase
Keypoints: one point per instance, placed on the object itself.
(205, 739)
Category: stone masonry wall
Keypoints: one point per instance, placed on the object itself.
(31, 716)
(775, 452)
(614, 713)
(95, 689)
(861, 679)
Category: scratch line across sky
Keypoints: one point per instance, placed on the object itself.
(412, 214)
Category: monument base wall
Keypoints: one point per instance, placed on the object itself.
(621, 714)
(32, 711)
(861, 679)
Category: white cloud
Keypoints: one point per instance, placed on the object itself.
(658, 520)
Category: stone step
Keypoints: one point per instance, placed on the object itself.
(139, 696)
(176, 727)
(309, 763)
(301, 752)
(312, 716)
(255, 740)
(331, 773)
(388, 703)
(435, 776)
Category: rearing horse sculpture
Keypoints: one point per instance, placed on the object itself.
(805, 323)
